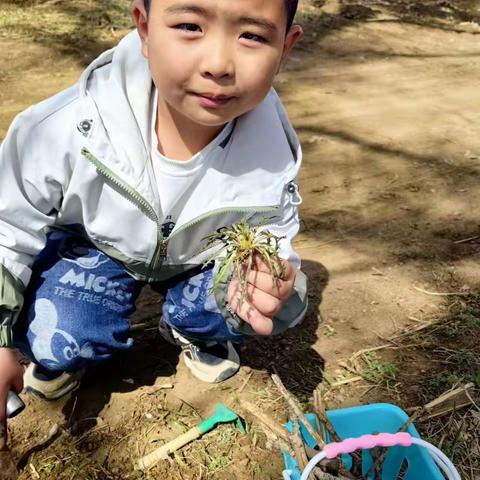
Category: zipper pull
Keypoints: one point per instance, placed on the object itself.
(163, 250)
(295, 197)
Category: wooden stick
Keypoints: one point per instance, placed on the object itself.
(368, 350)
(465, 240)
(273, 426)
(242, 388)
(301, 455)
(453, 399)
(156, 388)
(280, 443)
(450, 395)
(444, 294)
(293, 405)
(346, 381)
(319, 409)
(327, 476)
(415, 329)
(292, 402)
(298, 445)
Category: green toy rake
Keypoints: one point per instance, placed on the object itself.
(222, 415)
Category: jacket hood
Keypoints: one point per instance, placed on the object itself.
(117, 87)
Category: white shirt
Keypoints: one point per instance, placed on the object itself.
(176, 178)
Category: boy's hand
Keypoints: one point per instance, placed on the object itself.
(265, 297)
(11, 378)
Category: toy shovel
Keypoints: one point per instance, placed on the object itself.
(222, 415)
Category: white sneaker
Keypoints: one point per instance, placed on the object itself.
(211, 362)
(50, 385)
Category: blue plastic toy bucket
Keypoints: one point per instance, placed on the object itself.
(414, 462)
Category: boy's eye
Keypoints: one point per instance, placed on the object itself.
(188, 27)
(254, 38)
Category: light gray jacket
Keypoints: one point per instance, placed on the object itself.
(81, 160)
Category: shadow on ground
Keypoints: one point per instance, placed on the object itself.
(292, 355)
(150, 358)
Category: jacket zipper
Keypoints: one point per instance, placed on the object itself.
(134, 197)
(162, 243)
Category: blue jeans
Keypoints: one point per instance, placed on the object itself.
(78, 303)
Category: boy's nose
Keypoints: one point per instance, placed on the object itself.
(218, 62)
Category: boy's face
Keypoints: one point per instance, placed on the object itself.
(213, 60)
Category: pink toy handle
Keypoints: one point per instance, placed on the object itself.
(365, 442)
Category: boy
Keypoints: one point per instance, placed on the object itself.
(115, 182)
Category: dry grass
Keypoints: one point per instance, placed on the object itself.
(421, 366)
(109, 452)
(457, 435)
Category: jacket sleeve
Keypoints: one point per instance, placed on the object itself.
(29, 200)
(284, 224)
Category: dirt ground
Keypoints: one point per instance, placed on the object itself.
(385, 98)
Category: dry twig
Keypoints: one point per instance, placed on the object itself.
(319, 409)
(297, 412)
(443, 294)
(377, 464)
(292, 402)
(265, 419)
(466, 240)
(242, 388)
(297, 443)
(449, 401)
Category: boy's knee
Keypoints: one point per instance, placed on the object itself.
(192, 310)
(76, 306)
(61, 339)
(54, 342)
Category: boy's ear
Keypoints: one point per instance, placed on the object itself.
(292, 37)
(140, 18)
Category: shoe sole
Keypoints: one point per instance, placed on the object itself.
(53, 396)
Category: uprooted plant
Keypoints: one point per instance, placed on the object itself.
(239, 245)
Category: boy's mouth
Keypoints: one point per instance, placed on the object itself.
(209, 100)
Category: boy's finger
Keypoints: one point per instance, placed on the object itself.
(262, 266)
(263, 281)
(266, 304)
(285, 269)
(260, 324)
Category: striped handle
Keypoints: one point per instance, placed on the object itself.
(365, 442)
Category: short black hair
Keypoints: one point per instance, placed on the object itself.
(291, 6)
